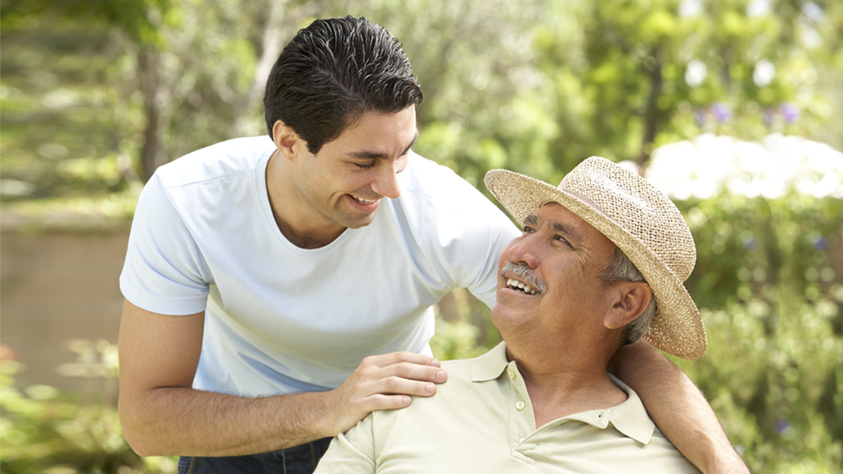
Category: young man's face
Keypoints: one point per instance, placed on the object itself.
(345, 181)
(563, 256)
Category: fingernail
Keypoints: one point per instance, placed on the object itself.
(429, 388)
(440, 376)
(406, 401)
(435, 363)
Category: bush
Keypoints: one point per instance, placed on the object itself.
(48, 431)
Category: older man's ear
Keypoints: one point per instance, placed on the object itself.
(632, 298)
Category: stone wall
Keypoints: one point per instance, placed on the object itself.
(56, 288)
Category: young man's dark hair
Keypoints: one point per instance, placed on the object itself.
(331, 73)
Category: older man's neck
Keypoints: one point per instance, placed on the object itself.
(560, 385)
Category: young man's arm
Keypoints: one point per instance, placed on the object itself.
(678, 408)
(162, 415)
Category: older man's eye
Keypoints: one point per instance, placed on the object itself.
(562, 240)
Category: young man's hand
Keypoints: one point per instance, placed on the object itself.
(382, 382)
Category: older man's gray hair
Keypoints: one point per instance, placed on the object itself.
(620, 268)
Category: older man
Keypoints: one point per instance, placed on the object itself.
(600, 263)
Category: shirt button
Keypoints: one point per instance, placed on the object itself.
(519, 405)
(511, 374)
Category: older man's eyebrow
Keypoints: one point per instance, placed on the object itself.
(568, 230)
(555, 226)
(371, 155)
(558, 227)
(532, 219)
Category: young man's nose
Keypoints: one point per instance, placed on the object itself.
(386, 182)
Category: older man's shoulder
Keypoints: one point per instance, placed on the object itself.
(459, 366)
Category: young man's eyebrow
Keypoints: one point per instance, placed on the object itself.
(370, 155)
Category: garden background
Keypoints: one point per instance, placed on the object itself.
(732, 106)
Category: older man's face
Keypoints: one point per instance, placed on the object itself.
(549, 278)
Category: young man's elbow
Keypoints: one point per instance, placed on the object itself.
(136, 435)
(141, 447)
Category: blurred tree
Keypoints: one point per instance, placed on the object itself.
(532, 87)
(64, 65)
(634, 75)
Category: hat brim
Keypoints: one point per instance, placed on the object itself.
(676, 328)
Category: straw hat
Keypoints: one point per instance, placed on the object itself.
(641, 221)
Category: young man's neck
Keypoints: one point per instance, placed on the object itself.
(301, 230)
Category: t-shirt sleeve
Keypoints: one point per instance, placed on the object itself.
(470, 233)
(500, 233)
(164, 271)
(351, 452)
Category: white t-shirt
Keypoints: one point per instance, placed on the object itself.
(282, 319)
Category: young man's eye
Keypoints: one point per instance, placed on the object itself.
(365, 166)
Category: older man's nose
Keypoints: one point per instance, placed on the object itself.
(524, 251)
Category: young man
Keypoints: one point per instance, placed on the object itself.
(279, 289)
(569, 296)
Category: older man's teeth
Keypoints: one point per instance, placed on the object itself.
(361, 200)
(517, 285)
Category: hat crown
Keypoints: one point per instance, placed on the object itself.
(637, 206)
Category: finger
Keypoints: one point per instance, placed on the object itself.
(422, 373)
(383, 360)
(400, 386)
(387, 402)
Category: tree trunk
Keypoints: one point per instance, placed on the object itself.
(270, 49)
(150, 157)
(651, 115)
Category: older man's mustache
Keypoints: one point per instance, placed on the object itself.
(523, 273)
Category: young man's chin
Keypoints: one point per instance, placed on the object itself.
(358, 221)
(356, 214)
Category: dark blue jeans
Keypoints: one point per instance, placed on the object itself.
(296, 460)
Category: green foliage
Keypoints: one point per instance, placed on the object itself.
(768, 283)
(635, 75)
(533, 86)
(139, 19)
(55, 90)
(95, 94)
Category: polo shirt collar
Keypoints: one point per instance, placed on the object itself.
(630, 417)
(490, 365)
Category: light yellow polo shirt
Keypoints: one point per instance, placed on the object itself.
(481, 421)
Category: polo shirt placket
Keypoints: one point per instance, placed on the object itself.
(525, 439)
(522, 420)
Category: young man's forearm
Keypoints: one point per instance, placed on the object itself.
(188, 422)
(162, 415)
(678, 408)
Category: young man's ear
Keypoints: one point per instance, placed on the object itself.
(633, 298)
(287, 140)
